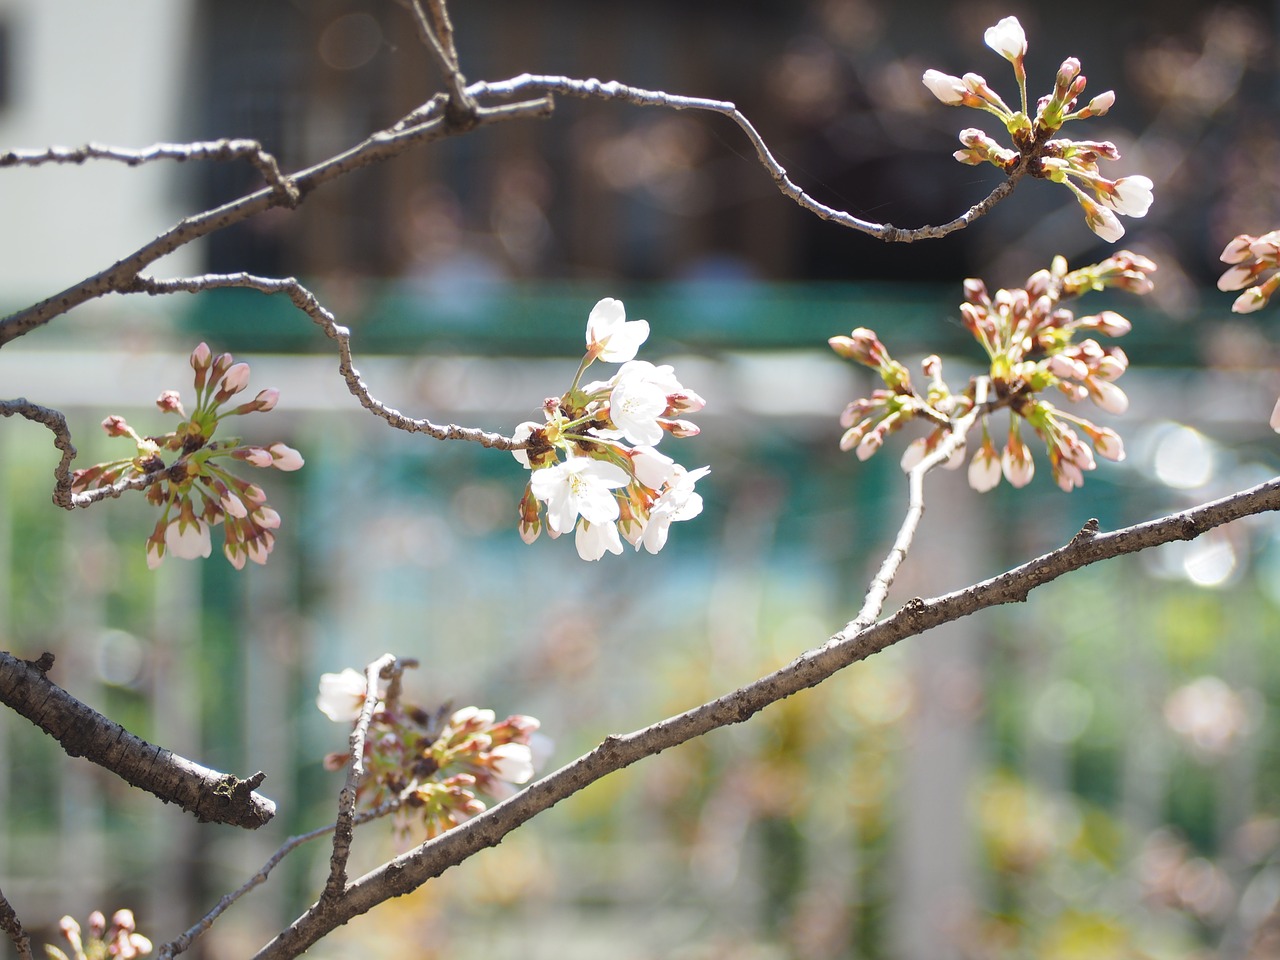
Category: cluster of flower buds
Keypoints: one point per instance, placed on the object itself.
(595, 466)
(1031, 343)
(200, 469)
(121, 939)
(1255, 265)
(435, 764)
(1073, 163)
(1251, 258)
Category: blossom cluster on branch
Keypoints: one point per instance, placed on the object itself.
(434, 764)
(1030, 341)
(121, 939)
(200, 469)
(594, 461)
(1073, 163)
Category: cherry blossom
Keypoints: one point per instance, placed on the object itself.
(593, 540)
(611, 337)
(677, 502)
(578, 486)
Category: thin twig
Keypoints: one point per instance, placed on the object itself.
(435, 30)
(410, 870)
(224, 150)
(62, 492)
(377, 147)
(878, 590)
(612, 90)
(344, 828)
(307, 302)
(11, 925)
(167, 951)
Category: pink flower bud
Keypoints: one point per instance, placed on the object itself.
(267, 399)
(170, 402)
(1107, 395)
(1237, 249)
(115, 426)
(1275, 417)
(285, 457)
(266, 518)
(234, 380)
(1109, 445)
(1007, 39)
(256, 456)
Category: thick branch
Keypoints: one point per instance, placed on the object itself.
(527, 83)
(83, 732)
(306, 301)
(11, 925)
(410, 870)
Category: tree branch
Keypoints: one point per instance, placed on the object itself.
(11, 925)
(223, 150)
(83, 732)
(344, 827)
(410, 870)
(167, 951)
(307, 302)
(598, 90)
(379, 146)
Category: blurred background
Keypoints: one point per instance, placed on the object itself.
(1090, 775)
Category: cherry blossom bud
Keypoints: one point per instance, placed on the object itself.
(285, 457)
(862, 345)
(984, 469)
(1275, 417)
(1239, 276)
(1249, 301)
(1101, 220)
(266, 518)
(201, 357)
(1237, 249)
(170, 402)
(1107, 395)
(234, 380)
(115, 426)
(680, 428)
(1099, 105)
(1007, 39)
(1108, 444)
(1016, 462)
(1131, 196)
(950, 90)
(97, 924)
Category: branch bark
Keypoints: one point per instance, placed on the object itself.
(410, 870)
(83, 732)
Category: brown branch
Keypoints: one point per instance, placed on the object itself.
(344, 827)
(598, 90)
(62, 493)
(435, 30)
(223, 150)
(11, 925)
(410, 870)
(83, 732)
(377, 147)
(167, 951)
(306, 301)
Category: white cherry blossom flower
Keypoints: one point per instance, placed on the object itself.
(512, 762)
(578, 486)
(652, 468)
(635, 404)
(593, 539)
(611, 336)
(678, 501)
(342, 694)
